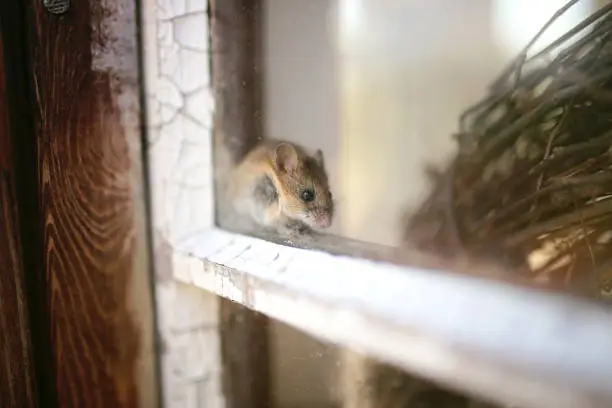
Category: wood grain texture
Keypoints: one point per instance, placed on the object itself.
(17, 376)
(96, 267)
(236, 54)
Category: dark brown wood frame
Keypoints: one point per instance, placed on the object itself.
(73, 206)
(17, 375)
(236, 43)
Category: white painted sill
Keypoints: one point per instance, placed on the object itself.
(505, 342)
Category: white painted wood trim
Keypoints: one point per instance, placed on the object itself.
(510, 343)
(179, 107)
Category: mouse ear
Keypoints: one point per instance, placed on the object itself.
(318, 156)
(286, 157)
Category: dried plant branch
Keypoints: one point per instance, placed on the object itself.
(535, 155)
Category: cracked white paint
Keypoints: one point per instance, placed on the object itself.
(179, 114)
(180, 118)
(190, 343)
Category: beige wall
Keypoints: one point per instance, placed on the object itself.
(402, 92)
(375, 170)
(301, 89)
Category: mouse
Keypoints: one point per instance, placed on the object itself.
(282, 187)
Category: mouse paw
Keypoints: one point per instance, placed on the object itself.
(294, 229)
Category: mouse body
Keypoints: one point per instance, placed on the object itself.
(282, 187)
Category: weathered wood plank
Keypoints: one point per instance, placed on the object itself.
(17, 376)
(502, 342)
(96, 278)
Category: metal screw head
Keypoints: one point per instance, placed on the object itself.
(57, 6)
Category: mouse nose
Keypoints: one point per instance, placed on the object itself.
(323, 221)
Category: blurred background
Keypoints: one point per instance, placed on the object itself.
(379, 86)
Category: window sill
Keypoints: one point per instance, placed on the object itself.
(498, 340)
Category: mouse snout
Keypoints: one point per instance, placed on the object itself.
(323, 220)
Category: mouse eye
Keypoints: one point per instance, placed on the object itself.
(307, 195)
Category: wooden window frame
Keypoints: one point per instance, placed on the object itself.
(504, 342)
(76, 283)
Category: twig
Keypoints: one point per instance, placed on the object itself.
(520, 59)
(559, 223)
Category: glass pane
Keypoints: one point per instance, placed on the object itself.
(380, 88)
(308, 373)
